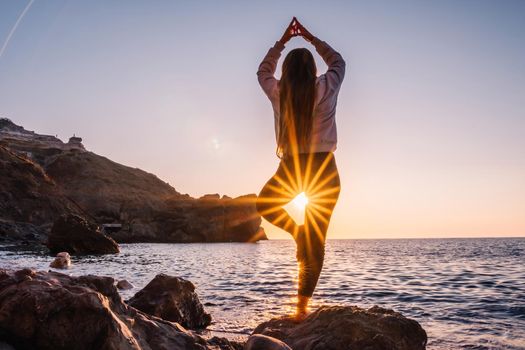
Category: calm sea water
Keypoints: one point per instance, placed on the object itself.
(467, 293)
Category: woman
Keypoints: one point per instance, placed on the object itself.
(304, 115)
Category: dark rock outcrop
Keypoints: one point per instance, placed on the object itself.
(173, 299)
(22, 231)
(49, 310)
(190, 220)
(264, 342)
(77, 235)
(347, 327)
(44, 178)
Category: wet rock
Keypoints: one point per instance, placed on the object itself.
(221, 343)
(263, 342)
(62, 261)
(79, 236)
(173, 299)
(348, 327)
(50, 310)
(123, 284)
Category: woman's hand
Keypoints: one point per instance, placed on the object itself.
(295, 28)
(290, 31)
(302, 31)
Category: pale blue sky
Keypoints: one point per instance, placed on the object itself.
(431, 115)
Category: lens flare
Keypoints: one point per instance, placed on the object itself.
(300, 201)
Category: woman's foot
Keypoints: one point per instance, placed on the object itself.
(300, 316)
(302, 308)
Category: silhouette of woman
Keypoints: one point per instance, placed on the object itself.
(304, 115)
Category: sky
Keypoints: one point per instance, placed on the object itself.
(430, 117)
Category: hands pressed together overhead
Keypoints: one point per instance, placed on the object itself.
(295, 28)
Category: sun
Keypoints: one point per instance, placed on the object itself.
(300, 201)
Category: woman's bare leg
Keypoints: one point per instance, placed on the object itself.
(321, 184)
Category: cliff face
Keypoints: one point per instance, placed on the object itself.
(133, 205)
(105, 189)
(29, 199)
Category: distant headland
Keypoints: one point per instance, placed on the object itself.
(42, 178)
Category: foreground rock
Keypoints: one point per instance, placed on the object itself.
(348, 327)
(76, 235)
(50, 310)
(263, 342)
(173, 299)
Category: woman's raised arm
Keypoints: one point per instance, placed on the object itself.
(266, 71)
(335, 62)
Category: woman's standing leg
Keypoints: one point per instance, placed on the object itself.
(322, 190)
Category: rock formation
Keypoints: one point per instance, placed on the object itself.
(347, 327)
(49, 310)
(29, 198)
(77, 235)
(173, 299)
(62, 261)
(44, 178)
(124, 285)
(264, 342)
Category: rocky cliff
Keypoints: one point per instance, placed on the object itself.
(43, 177)
(29, 199)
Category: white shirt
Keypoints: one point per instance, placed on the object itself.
(324, 130)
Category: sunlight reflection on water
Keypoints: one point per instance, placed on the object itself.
(465, 292)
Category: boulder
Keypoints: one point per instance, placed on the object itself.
(347, 327)
(173, 299)
(62, 261)
(50, 310)
(123, 284)
(79, 236)
(264, 342)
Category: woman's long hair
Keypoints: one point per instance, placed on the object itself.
(296, 102)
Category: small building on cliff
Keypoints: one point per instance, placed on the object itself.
(75, 142)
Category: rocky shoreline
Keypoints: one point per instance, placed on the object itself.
(50, 310)
(43, 178)
(77, 202)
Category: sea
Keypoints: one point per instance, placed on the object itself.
(466, 293)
